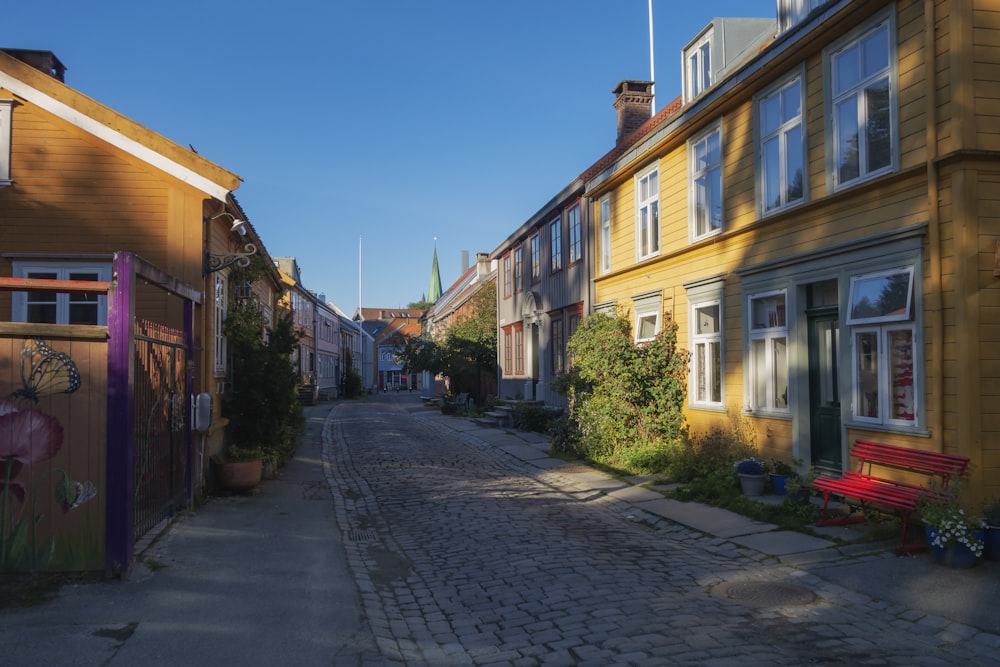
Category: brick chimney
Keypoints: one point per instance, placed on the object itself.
(45, 61)
(634, 103)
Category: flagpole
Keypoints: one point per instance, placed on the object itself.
(652, 70)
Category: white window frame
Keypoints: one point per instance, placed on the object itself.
(6, 117)
(555, 244)
(574, 223)
(604, 208)
(780, 135)
(884, 327)
(534, 245)
(697, 66)
(767, 373)
(857, 93)
(648, 308)
(707, 366)
(882, 368)
(221, 305)
(23, 269)
(710, 172)
(647, 213)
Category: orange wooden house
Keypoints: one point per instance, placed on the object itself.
(86, 192)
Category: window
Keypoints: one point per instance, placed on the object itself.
(6, 106)
(575, 251)
(706, 184)
(605, 220)
(221, 304)
(793, 12)
(884, 369)
(706, 357)
(575, 315)
(768, 328)
(558, 346)
(536, 262)
(518, 269)
(60, 308)
(508, 352)
(698, 67)
(647, 214)
(862, 100)
(782, 151)
(555, 237)
(647, 315)
(518, 350)
(506, 276)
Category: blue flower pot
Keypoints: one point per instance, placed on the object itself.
(991, 543)
(778, 484)
(955, 555)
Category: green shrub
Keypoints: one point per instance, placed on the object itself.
(535, 418)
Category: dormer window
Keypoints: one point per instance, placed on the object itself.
(698, 66)
(793, 12)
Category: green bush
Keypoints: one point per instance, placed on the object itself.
(626, 400)
(535, 418)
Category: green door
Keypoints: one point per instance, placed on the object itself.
(824, 388)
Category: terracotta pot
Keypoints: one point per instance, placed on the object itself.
(238, 475)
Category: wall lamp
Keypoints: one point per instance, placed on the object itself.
(213, 262)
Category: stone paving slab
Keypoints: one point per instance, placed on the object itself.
(781, 542)
(636, 494)
(593, 481)
(524, 451)
(711, 520)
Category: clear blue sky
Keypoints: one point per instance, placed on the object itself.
(394, 122)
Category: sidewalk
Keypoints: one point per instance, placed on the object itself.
(243, 580)
(935, 595)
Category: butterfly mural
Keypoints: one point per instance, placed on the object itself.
(45, 372)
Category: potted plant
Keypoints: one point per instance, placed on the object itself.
(991, 526)
(265, 417)
(955, 536)
(752, 475)
(780, 474)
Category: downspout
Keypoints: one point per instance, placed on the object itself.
(935, 389)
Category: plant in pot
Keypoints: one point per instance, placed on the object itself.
(991, 535)
(954, 535)
(265, 417)
(780, 473)
(752, 475)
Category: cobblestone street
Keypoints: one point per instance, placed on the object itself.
(465, 555)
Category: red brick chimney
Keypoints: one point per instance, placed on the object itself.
(634, 103)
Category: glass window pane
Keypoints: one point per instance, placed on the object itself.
(772, 174)
(866, 350)
(791, 101)
(846, 68)
(715, 192)
(758, 357)
(699, 361)
(848, 164)
(793, 164)
(879, 132)
(768, 312)
(779, 357)
(647, 327)
(42, 313)
(715, 351)
(901, 374)
(654, 226)
(884, 296)
(708, 319)
(770, 112)
(876, 52)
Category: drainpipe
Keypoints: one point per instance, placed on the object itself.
(935, 389)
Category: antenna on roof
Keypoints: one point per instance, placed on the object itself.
(652, 72)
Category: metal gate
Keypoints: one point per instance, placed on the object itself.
(161, 452)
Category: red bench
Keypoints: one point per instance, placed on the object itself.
(867, 487)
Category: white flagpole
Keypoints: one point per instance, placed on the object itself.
(652, 70)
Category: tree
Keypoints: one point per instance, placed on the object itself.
(468, 350)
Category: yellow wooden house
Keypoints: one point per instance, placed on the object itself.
(820, 215)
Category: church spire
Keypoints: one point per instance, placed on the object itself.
(435, 291)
